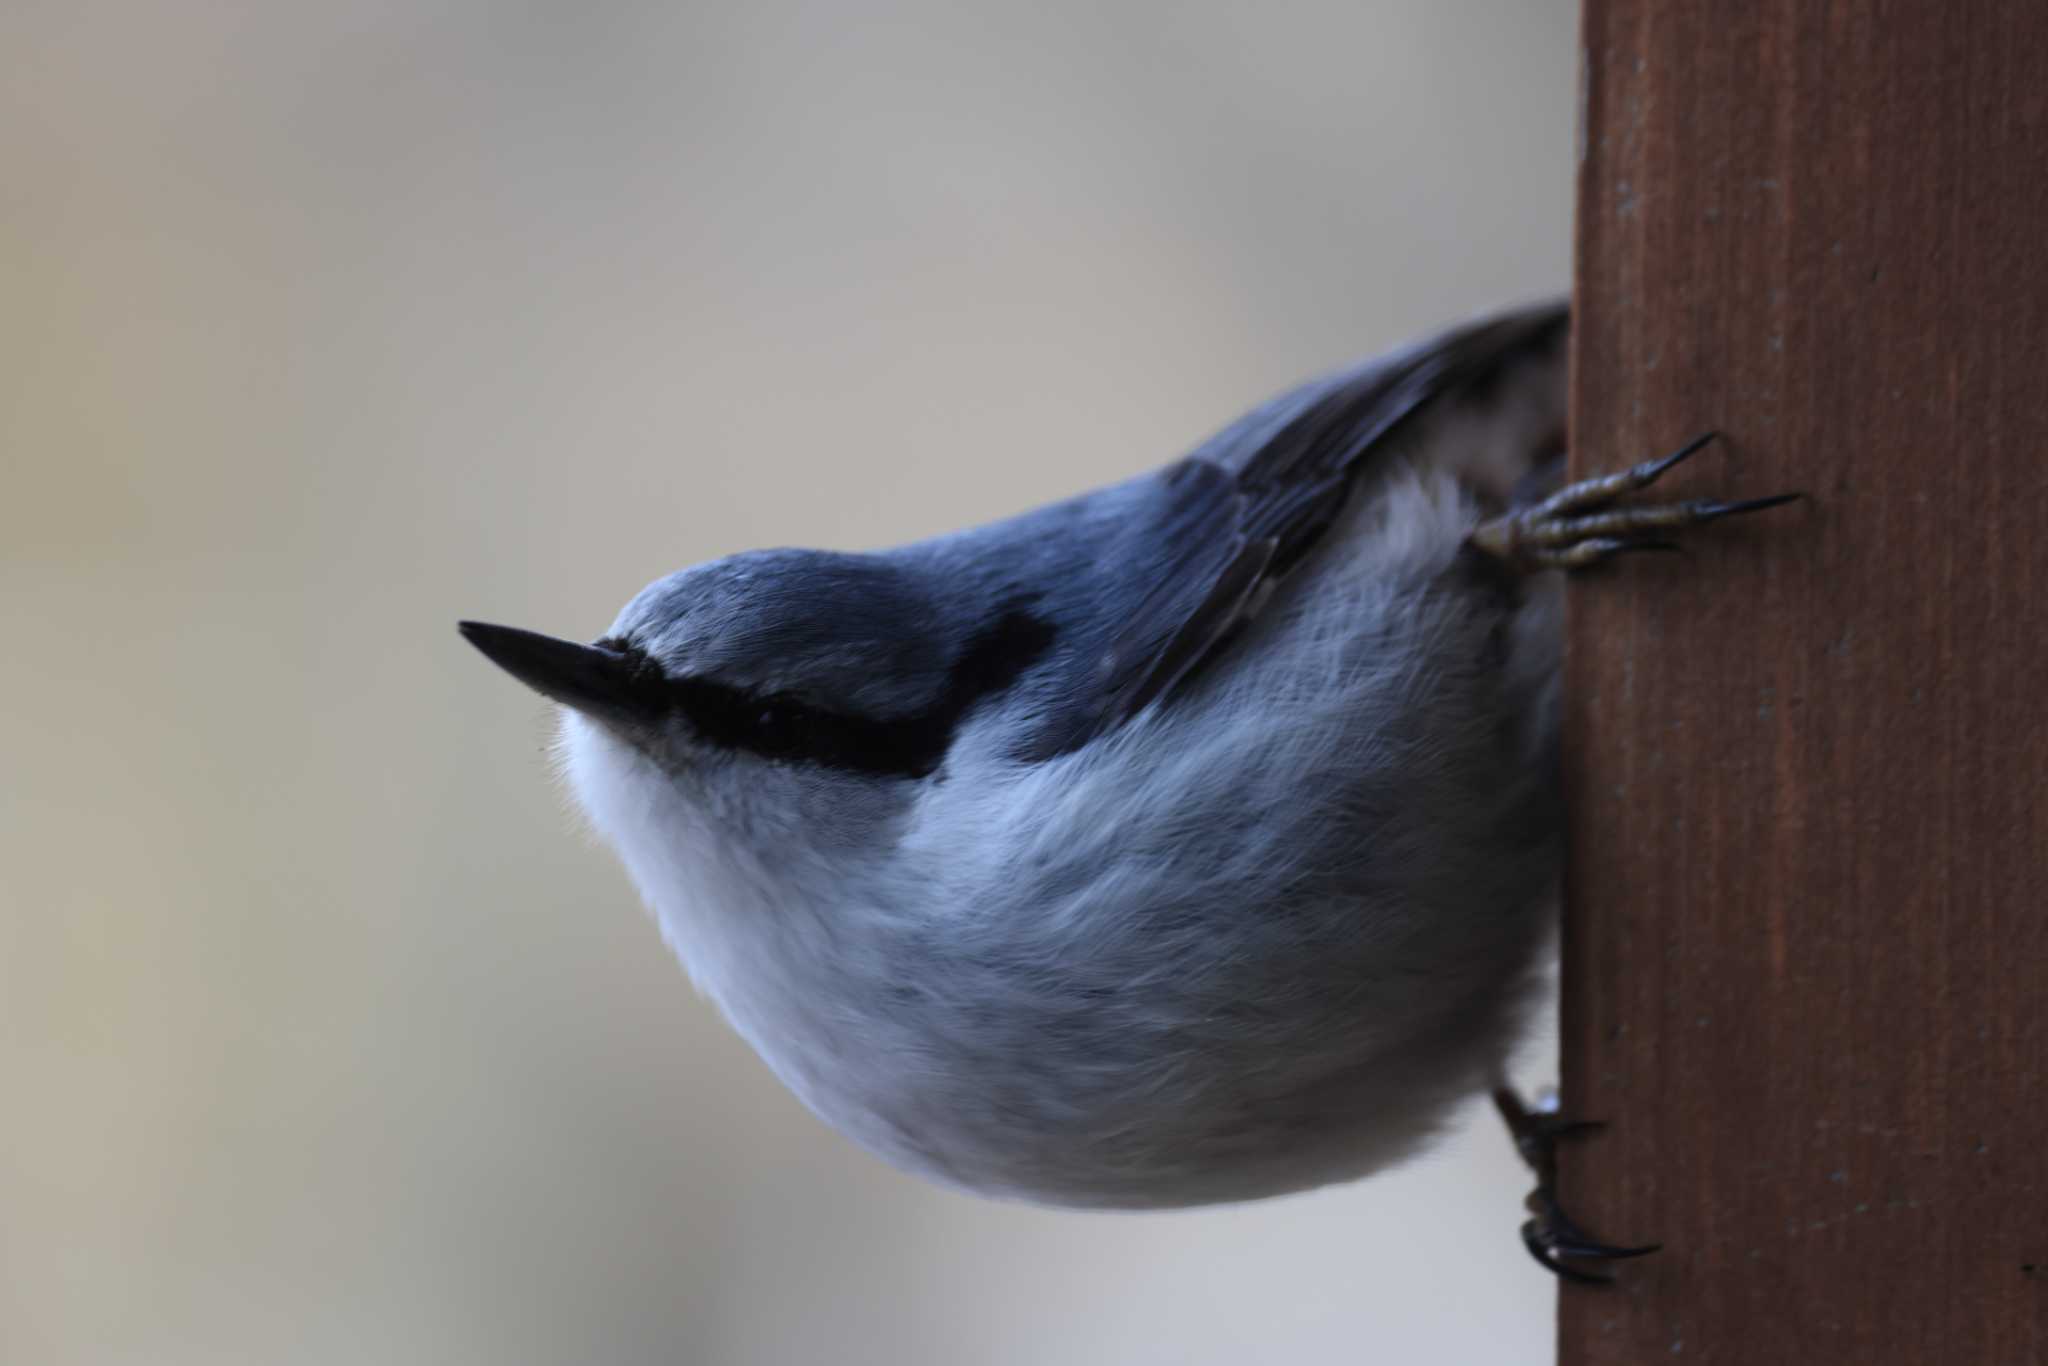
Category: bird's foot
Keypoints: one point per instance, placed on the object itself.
(1549, 1233)
(1574, 527)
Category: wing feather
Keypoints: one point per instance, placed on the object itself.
(1245, 508)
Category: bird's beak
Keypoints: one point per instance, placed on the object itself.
(608, 685)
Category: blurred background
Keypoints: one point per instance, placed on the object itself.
(325, 1035)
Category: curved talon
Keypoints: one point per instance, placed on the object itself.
(1532, 1238)
(1606, 1252)
(1709, 511)
(1551, 1235)
(1602, 489)
(1650, 469)
(1564, 1129)
(1572, 1247)
(1575, 528)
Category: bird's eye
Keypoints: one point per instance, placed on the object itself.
(777, 719)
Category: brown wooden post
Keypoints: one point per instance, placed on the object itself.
(1806, 957)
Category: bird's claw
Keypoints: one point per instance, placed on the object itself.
(1550, 1234)
(1575, 528)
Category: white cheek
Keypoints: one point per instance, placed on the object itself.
(750, 941)
(668, 853)
(600, 774)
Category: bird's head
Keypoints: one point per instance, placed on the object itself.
(838, 681)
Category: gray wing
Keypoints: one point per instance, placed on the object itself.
(1228, 521)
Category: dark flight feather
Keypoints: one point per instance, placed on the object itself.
(1248, 505)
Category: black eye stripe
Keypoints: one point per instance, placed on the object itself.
(780, 726)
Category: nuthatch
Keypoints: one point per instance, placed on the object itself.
(1193, 839)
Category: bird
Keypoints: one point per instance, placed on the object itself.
(1194, 839)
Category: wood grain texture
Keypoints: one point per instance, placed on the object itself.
(1806, 949)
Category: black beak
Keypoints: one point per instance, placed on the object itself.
(608, 685)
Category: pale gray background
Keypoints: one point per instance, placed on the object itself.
(323, 1036)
